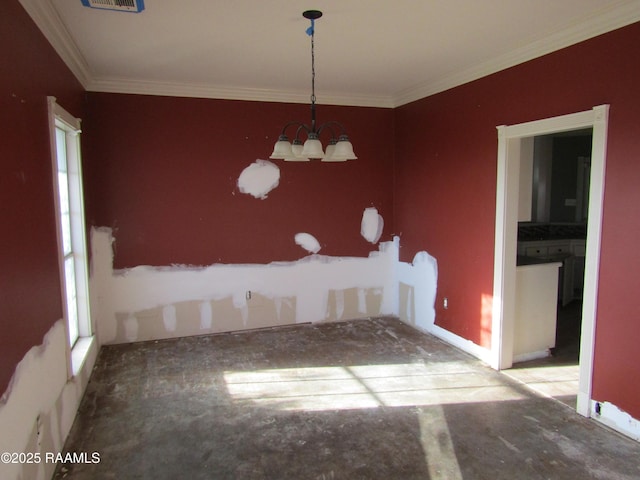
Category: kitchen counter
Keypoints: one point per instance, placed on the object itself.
(536, 309)
(571, 252)
(529, 231)
(524, 260)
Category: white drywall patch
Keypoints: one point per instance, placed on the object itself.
(371, 225)
(206, 316)
(362, 301)
(278, 304)
(169, 318)
(409, 307)
(312, 289)
(619, 420)
(302, 286)
(41, 398)
(422, 275)
(131, 328)
(100, 282)
(19, 401)
(259, 178)
(308, 242)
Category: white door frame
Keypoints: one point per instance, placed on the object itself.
(509, 139)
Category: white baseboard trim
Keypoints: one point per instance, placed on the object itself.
(525, 357)
(463, 344)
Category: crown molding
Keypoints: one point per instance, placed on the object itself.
(50, 24)
(147, 87)
(594, 25)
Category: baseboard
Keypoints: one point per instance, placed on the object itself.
(616, 419)
(457, 341)
(525, 357)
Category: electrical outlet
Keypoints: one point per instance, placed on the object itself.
(445, 303)
(248, 295)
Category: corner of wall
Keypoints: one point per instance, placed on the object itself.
(40, 405)
(417, 286)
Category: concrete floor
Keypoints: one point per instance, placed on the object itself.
(366, 399)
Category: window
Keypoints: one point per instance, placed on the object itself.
(72, 251)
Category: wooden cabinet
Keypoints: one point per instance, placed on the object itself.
(536, 311)
(544, 248)
(559, 248)
(578, 250)
(564, 251)
(536, 251)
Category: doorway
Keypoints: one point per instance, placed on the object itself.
(552, 227)
(511, 140)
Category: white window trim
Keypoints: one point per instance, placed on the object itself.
(76, 354)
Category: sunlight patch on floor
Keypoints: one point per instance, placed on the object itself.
(367, 386)
(440, 453)
(548, 380)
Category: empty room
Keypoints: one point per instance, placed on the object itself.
(359, 240)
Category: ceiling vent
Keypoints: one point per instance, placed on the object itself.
(118, 5)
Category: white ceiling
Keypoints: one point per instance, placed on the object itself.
(368, 52)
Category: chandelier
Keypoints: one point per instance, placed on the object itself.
(339, 148)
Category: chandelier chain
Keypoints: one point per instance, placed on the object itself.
(313, 66)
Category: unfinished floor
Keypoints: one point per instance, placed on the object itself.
(366, 399)
(558, 375)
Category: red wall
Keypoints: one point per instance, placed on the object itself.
(30, 298)
(162, 172)
(446, 185)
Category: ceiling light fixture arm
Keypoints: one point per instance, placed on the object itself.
(300, 126)
(343, 130)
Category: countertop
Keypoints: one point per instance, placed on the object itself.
(522, 260)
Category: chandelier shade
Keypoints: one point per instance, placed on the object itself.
(339, 148)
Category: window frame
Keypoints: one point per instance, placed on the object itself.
(76, 346)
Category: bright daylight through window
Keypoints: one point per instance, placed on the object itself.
(70, 216)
